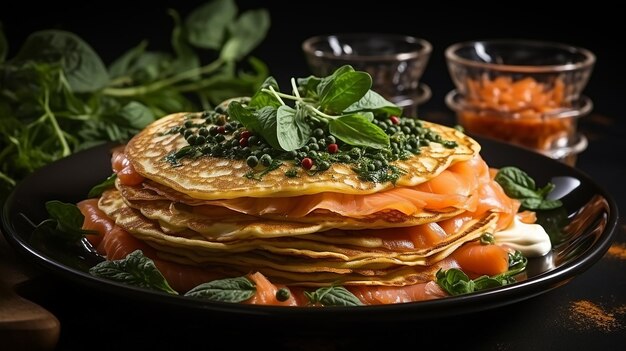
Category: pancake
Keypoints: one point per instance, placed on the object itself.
(208, 177)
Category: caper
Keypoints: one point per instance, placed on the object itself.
(321, 143)
(292, 154)
(203, 131)
(213, 130)
(331, 140)
(305, 148)
(188, 124)
(312, 153)
(312, 140)
(253, 140)
(267, 150)
(200, 140)
(252, 161)
(219, 138)
(266, 160)
(383, 125)
(187, 133)
(406, 130)
(314, 147)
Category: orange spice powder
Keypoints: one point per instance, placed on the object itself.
(617, 251)
(586, 315)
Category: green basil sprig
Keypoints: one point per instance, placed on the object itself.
(456, 282)
(519, 185)
(342, 100)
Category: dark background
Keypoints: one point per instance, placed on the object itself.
(112, 27)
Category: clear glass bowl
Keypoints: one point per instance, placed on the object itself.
(395, 62)
(552, 133)
(513, 75)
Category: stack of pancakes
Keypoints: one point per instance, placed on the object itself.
(205, 212)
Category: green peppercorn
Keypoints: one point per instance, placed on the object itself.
(266, 160)
(312, 154)
(331, 140)
(344, 158)
(252, 161)
(305, 148)
(253, 140)
(324, 165)
(219, 138)
(312, 140)
(321, 143)
(318, 132)
(283, 294)
(406, 130)
(203, 131)
(213, 130)
(200, 140)
(292, 154)
(314, 147)
(187, 133)
(188, 124)
(191, 139)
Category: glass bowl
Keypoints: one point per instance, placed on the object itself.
(552, 133)
(395, 62)
(515, 75)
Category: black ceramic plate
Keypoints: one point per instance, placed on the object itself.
(581, 233)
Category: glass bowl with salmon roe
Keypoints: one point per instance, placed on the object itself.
(525, 92)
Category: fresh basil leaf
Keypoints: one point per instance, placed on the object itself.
(261, 121)
(356, 129)
(516, 183)
(81, 65)
(291, 128)
(65, 222)
(262, 98)
(454, 281)
(548, 205)
(333, 296)
(137, 115)
(108, 183)
(486, 282)
(326, 81)
(186, 58)
(121, 66)
(345, 90)
(245, 34)
(308, 86)
(136, 270)
(519, 185)
(374, 102)
(206, 25)
(225, 290)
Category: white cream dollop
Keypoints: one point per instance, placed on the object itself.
(530, 239)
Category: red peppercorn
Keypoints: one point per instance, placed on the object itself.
(221, 130)
(243, 142)
(333, 148)
(306, 163)
(245, 134)
(394, 119)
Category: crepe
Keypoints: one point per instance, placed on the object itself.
(221, 178)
